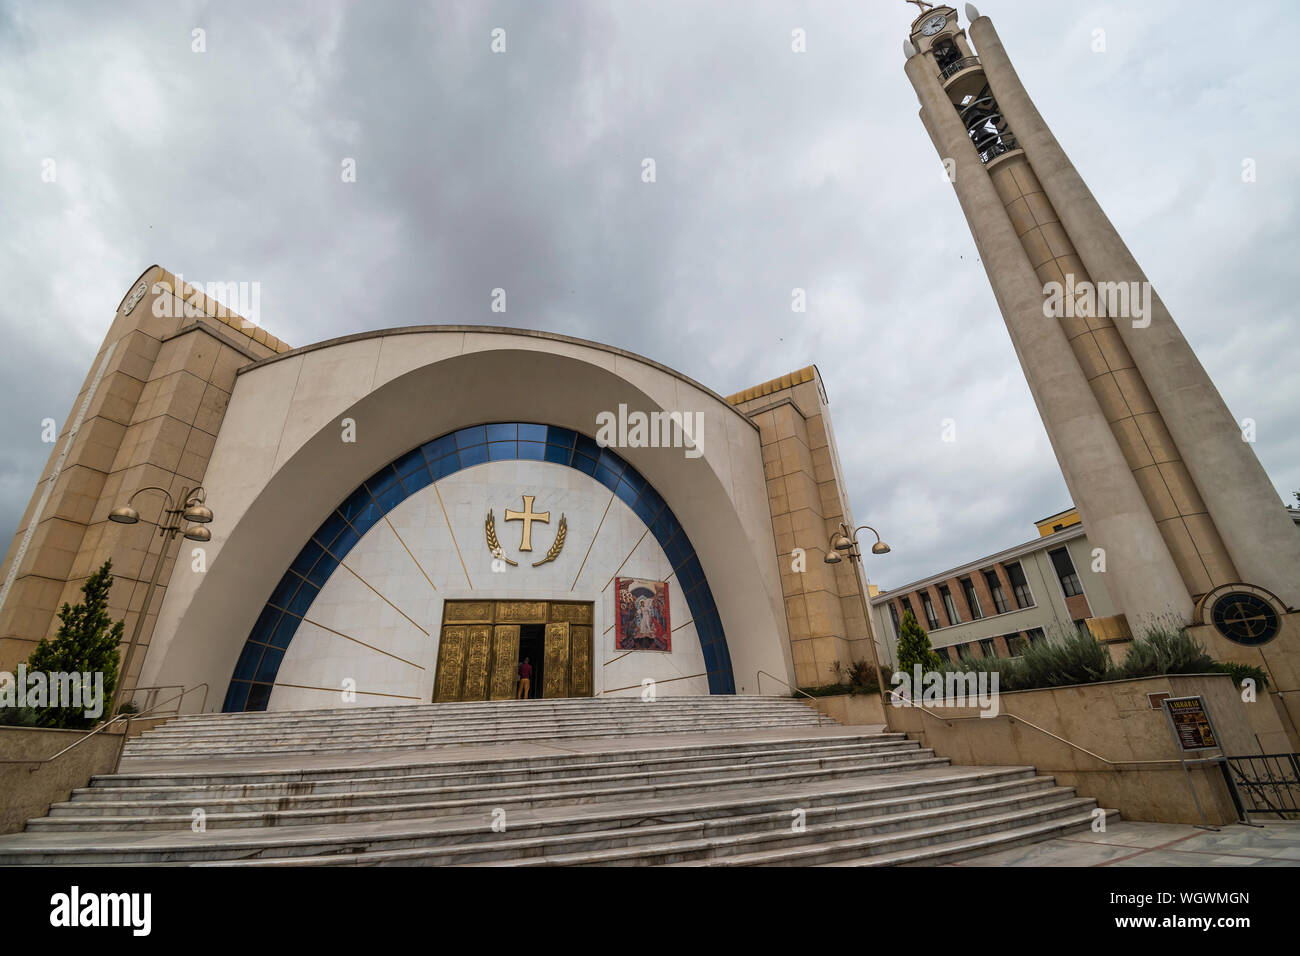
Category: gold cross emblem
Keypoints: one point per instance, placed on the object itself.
(528, 516)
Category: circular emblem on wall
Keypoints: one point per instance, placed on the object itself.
(1242, 613)
(134, 298)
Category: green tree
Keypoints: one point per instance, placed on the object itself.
(914, 646)
(86, 643)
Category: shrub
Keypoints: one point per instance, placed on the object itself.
(1165, 648)
(1073, 657)
(914, 647)
(822, 690)
(1010, 671)
(858, 676)
(1239, 672)
(86, 642)
(19, 717)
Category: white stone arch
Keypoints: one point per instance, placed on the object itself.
(279, 466)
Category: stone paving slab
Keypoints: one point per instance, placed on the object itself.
(1130, 843)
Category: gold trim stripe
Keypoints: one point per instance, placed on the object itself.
(625, 560)
(384, 599)
(592, 543)
(339, 690)
(349, 637)
(789, 380)
(408, 551)
(454, 544)
(194, 296)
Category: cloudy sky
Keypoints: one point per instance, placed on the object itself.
(522, 170)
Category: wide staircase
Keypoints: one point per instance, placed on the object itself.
(694, 781)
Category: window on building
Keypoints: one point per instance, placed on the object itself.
(1019, 586)
(931, 618)
(893, 617)
(1015, 644)
(986, 647)
(995, 589)
(949, 605)
(1065, 572)
(907, 606)
(1035, 636)
(972, 599)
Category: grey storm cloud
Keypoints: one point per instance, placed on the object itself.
(522, 170)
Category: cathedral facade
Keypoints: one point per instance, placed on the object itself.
(412, 514)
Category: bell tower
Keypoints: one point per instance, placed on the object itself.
(1154, 459)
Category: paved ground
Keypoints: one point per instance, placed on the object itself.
(1159, 844)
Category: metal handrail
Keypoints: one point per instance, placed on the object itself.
(104, 726)
(202, 704)
(1006, 144)
(762, 674)
(956, 66)
(1041, 730)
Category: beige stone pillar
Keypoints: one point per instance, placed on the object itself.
(1243, 504)
(1141, 574)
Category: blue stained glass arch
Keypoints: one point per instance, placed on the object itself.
(255, 671)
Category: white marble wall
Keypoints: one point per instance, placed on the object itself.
(378, 617)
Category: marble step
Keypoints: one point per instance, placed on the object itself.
(882, 795)
(141, 748)
(951, 851)
(193, 787)
(464, 799)
(697, 702)
(753, 833)
(509, 710)
(838, 841)
(127, 801)
(486, 732)
(633, 721)
(500, 757)
(504, 709)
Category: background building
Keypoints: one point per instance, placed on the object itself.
(997, 604)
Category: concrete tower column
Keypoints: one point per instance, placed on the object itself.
(1141, 573)
(1241, 501)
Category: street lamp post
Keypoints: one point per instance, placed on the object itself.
(846, 541)
(196, 513)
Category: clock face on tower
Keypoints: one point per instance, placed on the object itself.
(934, 25)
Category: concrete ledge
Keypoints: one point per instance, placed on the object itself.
(851, 710)
(1115, 721)
(30, 787)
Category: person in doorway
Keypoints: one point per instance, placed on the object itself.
(525, 678)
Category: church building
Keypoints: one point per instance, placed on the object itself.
(408, 515)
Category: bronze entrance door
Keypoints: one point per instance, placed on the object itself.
(478, 655)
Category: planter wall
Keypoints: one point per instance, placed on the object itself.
(852, 710)
(28, 789)
(1115, 721)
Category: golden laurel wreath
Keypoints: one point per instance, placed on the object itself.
(490, 527)
(557, 546)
